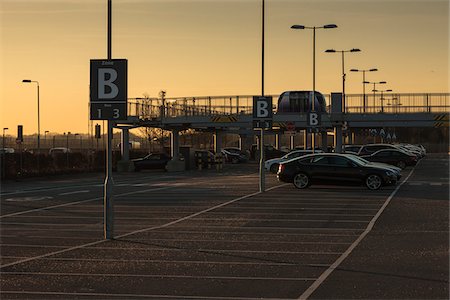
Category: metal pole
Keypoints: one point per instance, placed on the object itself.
(262, 179)
(108, 226)
(364, 91)
(39, 131)
(343, 82)
(313, 134)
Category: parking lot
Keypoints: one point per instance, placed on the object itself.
(212, 235)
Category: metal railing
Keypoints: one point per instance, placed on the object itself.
(389, 103)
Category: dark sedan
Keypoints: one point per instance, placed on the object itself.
(152, 161)
(326, 167)
(394, 157)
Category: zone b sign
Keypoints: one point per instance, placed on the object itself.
(313, 119)
(108, 89)
(262, 111)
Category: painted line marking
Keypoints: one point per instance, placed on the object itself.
(123, 296)
(159, 276)
(73, 193)
(344, 255)
(26, 199)
(134, 232)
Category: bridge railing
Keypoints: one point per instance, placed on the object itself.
(389, 103)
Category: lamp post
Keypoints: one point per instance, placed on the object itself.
(395, 104)
(364, 86)
(343, 69)
(374, 88)
(67, 148)
(45, 137)
(381, 97)
(3, 152)
(328, 26)
(38, 119)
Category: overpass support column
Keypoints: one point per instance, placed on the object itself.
(125, 144)
(305, 139)
(125, 165)
(292, 142)
(277, 141)
(324, 141)
(175, 164)
(350, 137)
(338, 139)
(217, 141)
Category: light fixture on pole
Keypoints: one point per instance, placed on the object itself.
(328, 26)
(364, 86)
(38, 119)
(343, 69)
(45, 137)
(381, 97)
(374, 88)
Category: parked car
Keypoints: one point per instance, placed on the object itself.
(326, 167)
(394, 157)
(6, 150)
(395, 169)
(57, 150)
(272, 164)
(151, 161)
(270, 151)
(372, 148)
(351, 148)
(234, 155)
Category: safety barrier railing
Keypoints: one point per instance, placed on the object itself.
(389, 103)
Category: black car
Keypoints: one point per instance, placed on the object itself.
(234, 155)
(394, 157)
(152, 161)
(326, 167)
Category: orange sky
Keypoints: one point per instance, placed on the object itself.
(210, 47)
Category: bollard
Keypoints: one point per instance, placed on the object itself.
(209, 162)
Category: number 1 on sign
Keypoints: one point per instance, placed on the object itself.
(99, 113)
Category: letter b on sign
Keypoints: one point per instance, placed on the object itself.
(109, 80)
(262, 108)
(313, 119)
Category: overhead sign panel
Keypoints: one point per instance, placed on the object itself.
(262, 112)
(108, 89)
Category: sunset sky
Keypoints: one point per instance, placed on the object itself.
(209, 48)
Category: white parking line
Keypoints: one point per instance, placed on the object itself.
(159, 276)
(123, 296)
(76, 192)
(344, 255)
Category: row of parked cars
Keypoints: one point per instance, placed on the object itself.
(159, 160)
(374, 165)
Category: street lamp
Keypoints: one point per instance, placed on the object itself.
(4, 152)
(328, 26)
(4, 129)
(381, 97)
(364, 80)
(45, 137)
(39, 122)
(374, 88)
(343, 69)
(395, 104)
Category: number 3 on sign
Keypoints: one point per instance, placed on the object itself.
(116, 114)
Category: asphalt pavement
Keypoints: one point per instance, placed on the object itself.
(212, 235)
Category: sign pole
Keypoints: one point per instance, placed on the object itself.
(262, 179)
(108, 204)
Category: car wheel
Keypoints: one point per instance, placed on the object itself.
(301, 181)
(373, 182)
(274, 168)
(401, 164)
